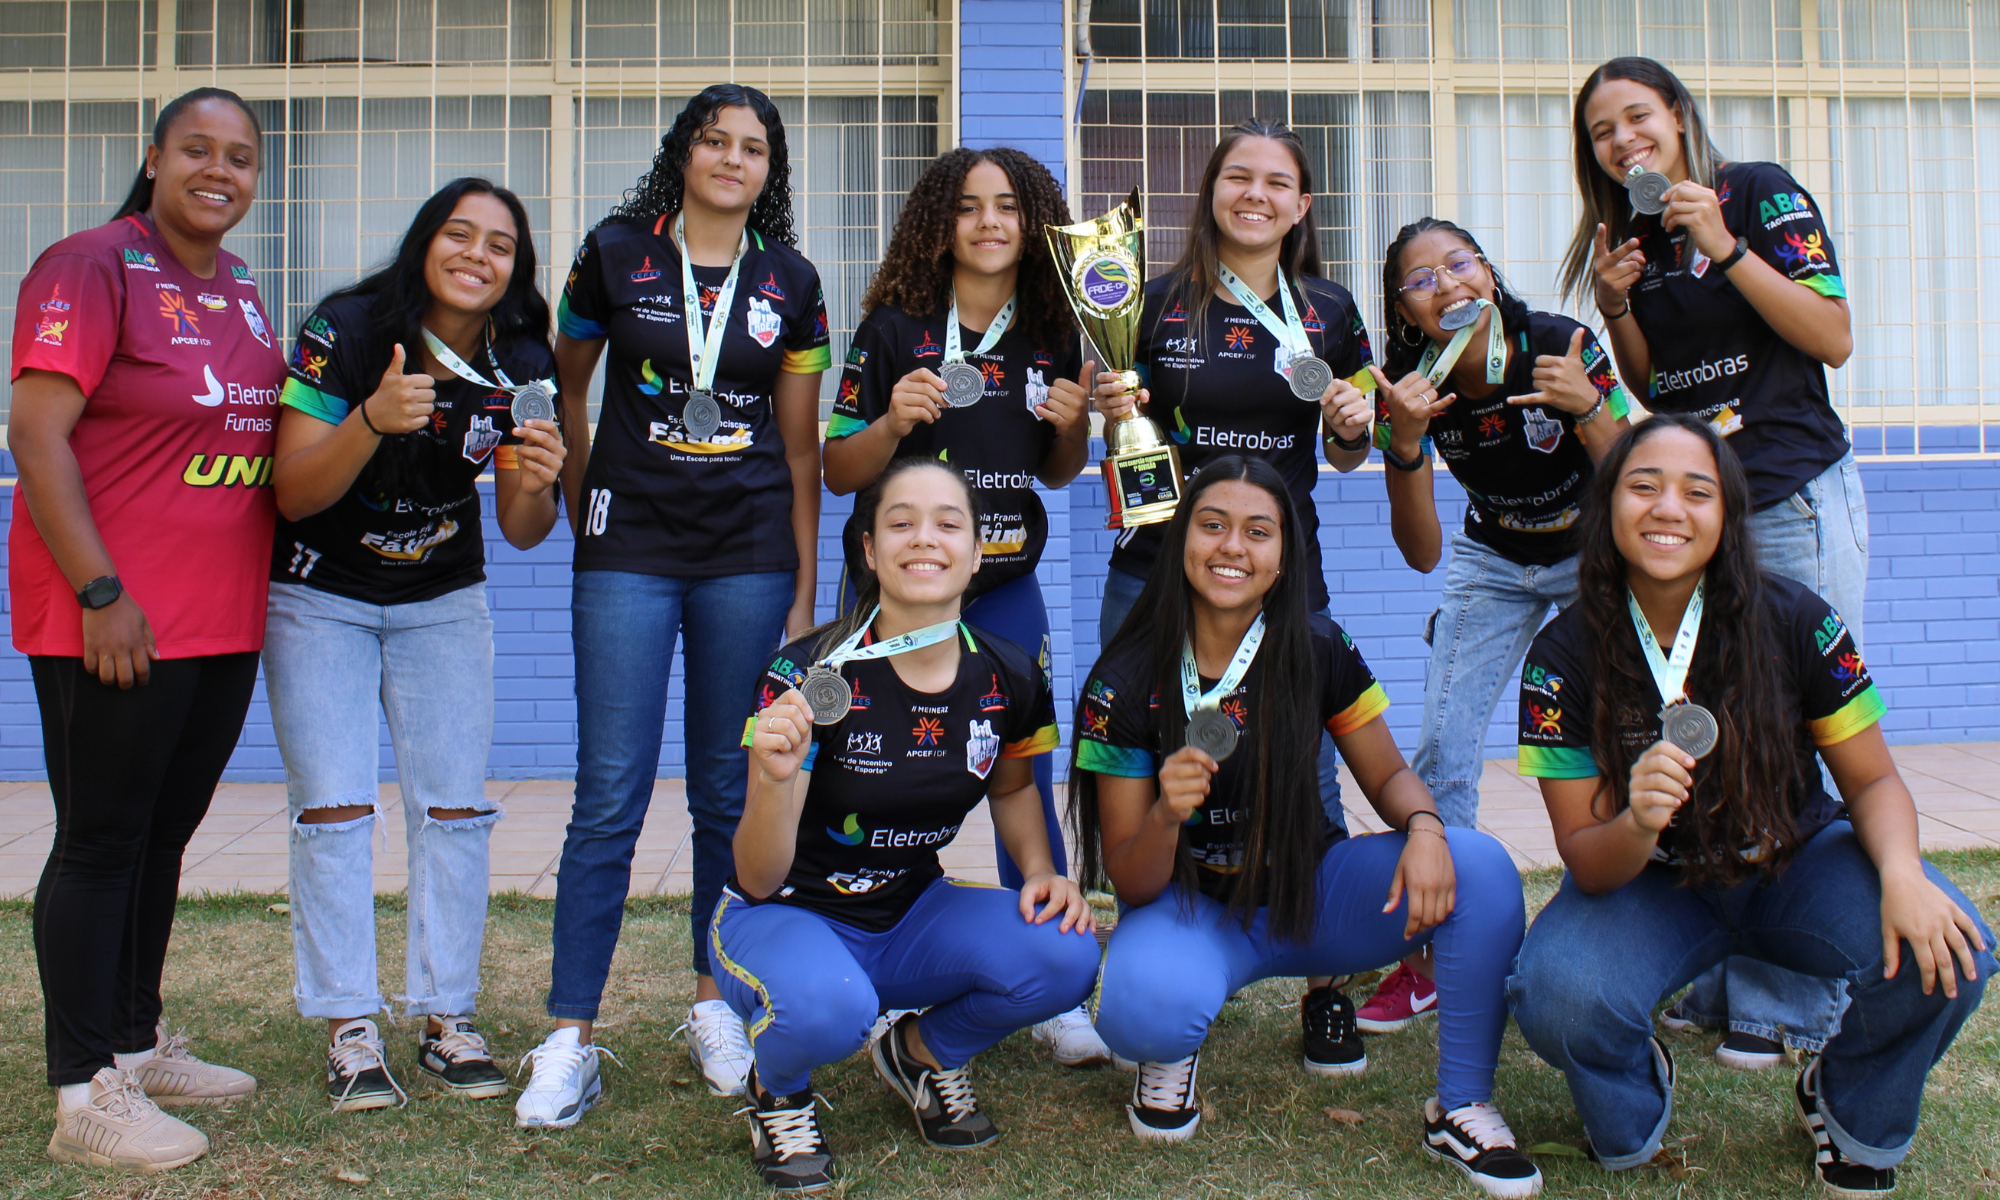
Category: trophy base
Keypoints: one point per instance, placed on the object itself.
(1143, 486)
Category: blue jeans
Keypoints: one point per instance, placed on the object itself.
(1593, 967)
(1174, 962)
(1493, 607)
(330, 663)
(1015, 611)
(810, 987)
(1121, 592)
(624, 626)
(1819, 537)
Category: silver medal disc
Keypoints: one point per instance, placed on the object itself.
(1212, 733)
(827, 694)
(964, 384)
(1458, 318)
(1648, 190)
(702, 416)
(1310, 377)
(1691, 727)
(536, 402)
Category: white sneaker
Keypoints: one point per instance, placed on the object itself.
(562, 1084)
(121, 1127)
(1073, 1038)
(172, 1076)
(719, 1047)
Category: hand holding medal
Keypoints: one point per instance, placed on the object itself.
(965, 384)
(780, 736)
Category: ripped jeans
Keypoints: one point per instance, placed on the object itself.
(329, 663)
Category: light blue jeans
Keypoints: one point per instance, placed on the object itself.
(1819, 537)
(1493, 607)
(330, 664)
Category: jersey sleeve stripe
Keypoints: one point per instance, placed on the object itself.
(749, 730)
(1826, 285)
(1618, 405)
(1370, 705)
(1363, 379)
(808, 362)
(582, 329)
(1856, 715)
(1557, 762)
(1045, 739)
(313, 402)
(840, 425)
(1126, 762)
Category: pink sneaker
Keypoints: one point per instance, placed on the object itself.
(1402, 997)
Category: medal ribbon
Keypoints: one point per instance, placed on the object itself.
(1437, 361)
(851, 650)
(954, 351)
(464, 370)
(1192, 697)
(1670, 672)
(1291, 332)
(705, 339)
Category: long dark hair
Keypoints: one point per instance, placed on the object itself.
(399, 296)
(659, 190)
(1198, 273)
(1605, 200)
(916, 272)
(867, 587)
(1284, 822)
(1406, 341)
(140, 198)
(1743, 791)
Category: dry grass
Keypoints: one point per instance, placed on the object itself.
(1266, 1133)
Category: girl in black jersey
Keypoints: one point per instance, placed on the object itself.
(400, 395)
(1530, 403)
(838, 908)
(1729, 303)
(697, 517)
(1701, 828)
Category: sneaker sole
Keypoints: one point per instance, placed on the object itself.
(888, 1078)
(1153, 1133)
(1334, 1070)
(63, 1150)
(1738, 1060)
(199, 1101)
(1088, 1060)
(708, 1082)
(1366, 1025)
(1506, 1189)
(591, 1095)
(367, 1103)
(465, 1091)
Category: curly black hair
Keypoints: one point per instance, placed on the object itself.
(916, 271)
(658, 191)
(1403, 353)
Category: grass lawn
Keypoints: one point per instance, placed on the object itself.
(1266, 1131)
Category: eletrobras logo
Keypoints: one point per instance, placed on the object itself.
(1698, 374)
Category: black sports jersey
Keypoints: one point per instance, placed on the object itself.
(1715, 357)
(999, 443)
(1118, 732)
(1218, 391)
(656, 501)
(1825, 684)
(383, 548)
(1525, 471)
(894, 779)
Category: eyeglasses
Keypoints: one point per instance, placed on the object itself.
(1464, 266)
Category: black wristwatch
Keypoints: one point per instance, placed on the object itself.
(1742, 248)
(1401, 464)
(101, 591)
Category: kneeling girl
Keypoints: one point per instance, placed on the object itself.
(838, 908)
(1197, 795)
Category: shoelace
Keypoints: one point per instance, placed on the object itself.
(719, 1036)
(127, 1101)
(1484, 1125)
(793, 1131)
(565, 1057)
(1401, 985)
(456, 1045)
(1074, 1019)
(954, 1087)
(352, 1056)
(1332, 1018)
(1165, 1085)
(174, 1048)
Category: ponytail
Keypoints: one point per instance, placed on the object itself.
(140, 198)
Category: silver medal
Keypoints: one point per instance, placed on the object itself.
(1691, 727)
(1648, 190)
(1458, 318)
(1310, 377)
(964, 384)
(827, 694)
(1211, 732)
(702, 416)
(535, 402)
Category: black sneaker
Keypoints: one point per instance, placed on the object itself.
(1748, 1052)
(458, 1059)
(1475, 1139)
(1166, 1105)
(943, 1102)
(785, 1142)
(1836, 1175)
(1333, 1041)
(357, 1074)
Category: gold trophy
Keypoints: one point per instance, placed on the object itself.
(1098, 262)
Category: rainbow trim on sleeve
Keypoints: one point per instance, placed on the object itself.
(1856, 715)
(1618, 405)
(581, 329)
(1363, 379)
(1557, 762)
(840, 425)
(1366, 708)
(808, 362)
(1825, 285)
(749, 730)
(1127, 762)
(313, 402)
(1044, 740)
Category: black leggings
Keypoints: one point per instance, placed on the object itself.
(132, 773)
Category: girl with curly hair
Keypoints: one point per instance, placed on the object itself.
(696, 514)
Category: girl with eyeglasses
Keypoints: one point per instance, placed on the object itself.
(1517, 405)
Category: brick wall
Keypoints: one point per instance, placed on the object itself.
(1010, 77)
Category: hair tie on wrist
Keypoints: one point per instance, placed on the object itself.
(370, 424)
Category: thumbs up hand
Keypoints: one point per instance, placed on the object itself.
(1561, 381)
(401, 403)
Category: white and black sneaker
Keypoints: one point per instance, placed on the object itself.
(1166, 1107)
(457, 1058)
(357, 1073)
(1837, 1176)
(785, 1140)
(1475, 1139)
(719, 1047)
(1749, 1052)
(562, 1081)
(946, 1108)
(1332, 1039)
